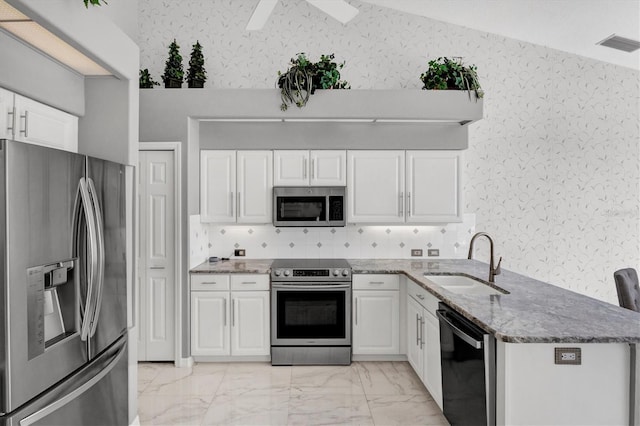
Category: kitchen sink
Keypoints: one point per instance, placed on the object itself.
(462, 284)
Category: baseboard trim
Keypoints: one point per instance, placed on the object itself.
(378, 357)
(184, 362)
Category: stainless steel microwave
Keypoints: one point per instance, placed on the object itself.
(309, 206)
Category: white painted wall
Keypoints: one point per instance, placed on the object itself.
(553, 169)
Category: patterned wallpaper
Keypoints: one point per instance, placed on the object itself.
(552, 171)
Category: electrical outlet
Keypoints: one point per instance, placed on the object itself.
(433, 252)
(571, 356)
(239, 252)
(416, 252)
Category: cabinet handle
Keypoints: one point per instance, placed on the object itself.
(408, 203)
(238, 209)
(249, 282)
(421, 332)
(401, 202)
(224, 312)
(376, 282)
(313, 166)
(26, 124)
(209, 282)
(233, 318)
(156, 267)
(356, 312)
(233, 203)
(12, 122)
(304, 169)
(417, 330)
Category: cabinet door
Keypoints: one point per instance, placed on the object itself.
(328, 168)
(376, 186)
(41, 124)
(7, 114)
(291, 168)
(376, 318)
(432, 377)
(433, 186)
(254, 186)
(217, 186)
(210, 323)
(414, 332)
(250, 323)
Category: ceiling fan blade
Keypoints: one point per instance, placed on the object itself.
(337, 9)
(260, 14)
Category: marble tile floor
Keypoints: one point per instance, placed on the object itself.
(364, 393)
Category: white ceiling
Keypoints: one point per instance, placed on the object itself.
(573, 26)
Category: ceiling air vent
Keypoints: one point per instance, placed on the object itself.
(620, 43)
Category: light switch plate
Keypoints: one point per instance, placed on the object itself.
(416, 252)
(568, 356)
(433, 252)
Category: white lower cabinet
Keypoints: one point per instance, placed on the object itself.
(376, 314)
(423, 339)
(230, 315)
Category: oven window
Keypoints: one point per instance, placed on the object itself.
(303, 209)
(311, 315)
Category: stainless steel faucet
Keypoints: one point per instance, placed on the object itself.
(492, 271)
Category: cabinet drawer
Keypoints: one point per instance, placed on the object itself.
(376, 282)
(248, 282)
(422, 296)
(209, 282)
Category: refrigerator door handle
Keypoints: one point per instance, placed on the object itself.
(83, 200)
(100, 254)
(104, 366)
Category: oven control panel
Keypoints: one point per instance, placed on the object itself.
(283, 274)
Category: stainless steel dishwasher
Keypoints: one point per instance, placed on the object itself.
(468, 370)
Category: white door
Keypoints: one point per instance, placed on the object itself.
(210, 323)
(432, 369)
(291, 167)
(250, 323)
(376, 319)
(328, 168)
(414, 333)
(218, 186)
(157, 257)
(433, 186)
(376, 186)
(7, 115)
(41, 124)
(254, 186)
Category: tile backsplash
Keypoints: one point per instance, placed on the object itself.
(351, 241)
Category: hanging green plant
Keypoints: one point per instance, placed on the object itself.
(451, 74)
(196, 75)
(93, 3)
(146, 81)
(303, 78)
(173, 72)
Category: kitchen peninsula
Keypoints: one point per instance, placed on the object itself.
(529, 322)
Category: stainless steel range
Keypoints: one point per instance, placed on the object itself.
(310, 312)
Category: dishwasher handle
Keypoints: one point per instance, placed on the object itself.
(458, 331)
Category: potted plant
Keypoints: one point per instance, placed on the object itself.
(451, 74)
(303, 78)
(196, 75)
(146, 81)
(93, 2)
(173, 72)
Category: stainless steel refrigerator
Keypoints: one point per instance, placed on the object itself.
(63, 298)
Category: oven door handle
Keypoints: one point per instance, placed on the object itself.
(309, 287)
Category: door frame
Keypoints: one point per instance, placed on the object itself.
(174, 147)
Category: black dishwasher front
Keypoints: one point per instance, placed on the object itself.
(468, 370)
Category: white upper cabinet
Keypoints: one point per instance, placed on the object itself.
(40, 124)
(433, 186)
(254, 186)
(26, 120)
(7, 121)
(310, 168)
(236, 186)
(375, 186)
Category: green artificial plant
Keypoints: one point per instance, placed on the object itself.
(451, 74)
(173, 72)
(146, 81)
(93, 3)
(196, 74)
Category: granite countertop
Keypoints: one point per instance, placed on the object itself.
(532, 312)
(234, 266)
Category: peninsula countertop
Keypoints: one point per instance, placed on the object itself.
(532, 312)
